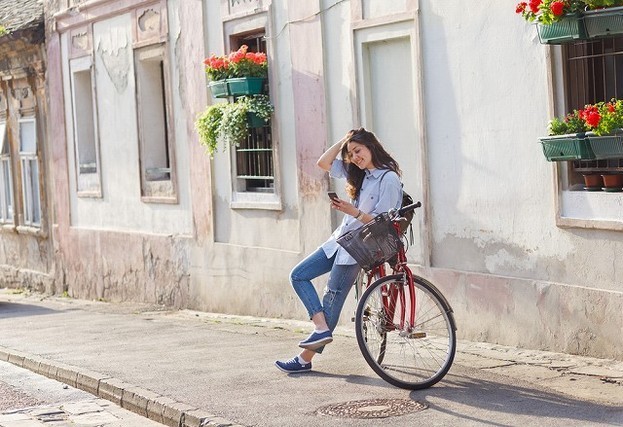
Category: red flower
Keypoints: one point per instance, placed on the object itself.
(557, 8)
(521, 7)
(534, 5)
(611, 107)
(593, 118)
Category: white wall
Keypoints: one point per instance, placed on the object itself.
(120, 207)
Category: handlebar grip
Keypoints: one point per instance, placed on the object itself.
(402, 211)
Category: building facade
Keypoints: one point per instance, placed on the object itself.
(26, 252)
(142, 213)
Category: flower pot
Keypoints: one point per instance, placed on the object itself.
(254, 121)
(246, 86)
(604, 22)
(219, 88)
(613, 182)
(566, 147)
(607, 146)
(592, 182)
(569, 28)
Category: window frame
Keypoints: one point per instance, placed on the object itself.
(234, 30)
(88, 185)
(575, 208)
(7, 196)
(156, 191)
(28, 176)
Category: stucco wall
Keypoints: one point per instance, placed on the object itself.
(120, 247)
(512, 275)
(26, 254)
(487, 235)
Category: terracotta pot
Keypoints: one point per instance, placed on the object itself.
(613, 181)
(593, 181)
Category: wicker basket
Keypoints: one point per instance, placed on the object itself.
(373, 243)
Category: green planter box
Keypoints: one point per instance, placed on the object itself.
(607, 146)
(561, 148)
(568, 29)
(219, 88)
(246, 86)
(604, 22)
(253, 121)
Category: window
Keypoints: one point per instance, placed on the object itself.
(154, 130)
(254, 158)
(593, 73)
(29, 162)
(6, 183)
(85, 127)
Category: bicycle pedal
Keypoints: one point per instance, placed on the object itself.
(416, 335)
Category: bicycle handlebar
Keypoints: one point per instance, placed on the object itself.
(406, 209)
(399, 213)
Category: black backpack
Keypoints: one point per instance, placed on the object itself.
(406, 201)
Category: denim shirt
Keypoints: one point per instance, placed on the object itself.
(375, 197)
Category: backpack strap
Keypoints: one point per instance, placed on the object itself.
(410, 226)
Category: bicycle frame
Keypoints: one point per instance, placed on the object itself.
(390, 300)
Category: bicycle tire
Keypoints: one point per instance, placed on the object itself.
(412, 358)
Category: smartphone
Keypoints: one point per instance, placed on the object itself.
(332, 195)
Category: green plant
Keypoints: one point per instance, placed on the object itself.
(248, 64)
(600, 4)
(572, 123)
(208, 126)
(601, 118)
(258, 104)
(233, 127)
(240, 63)
(3, 31)
(548, 11)
(228, 122)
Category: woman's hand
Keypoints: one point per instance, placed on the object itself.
(345, 207)
(332, 152)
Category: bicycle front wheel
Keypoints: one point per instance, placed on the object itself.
(409, 348)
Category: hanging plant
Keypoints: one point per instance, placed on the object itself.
(229, 122)
(208, 126)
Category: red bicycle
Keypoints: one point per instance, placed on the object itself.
(405, 326)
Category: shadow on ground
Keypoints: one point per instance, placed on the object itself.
(512, 399)
(9, 309)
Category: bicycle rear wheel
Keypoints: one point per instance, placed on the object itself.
(411, 356)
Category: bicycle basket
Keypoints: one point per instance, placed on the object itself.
(373, 243)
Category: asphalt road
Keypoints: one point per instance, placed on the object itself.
(224, 365)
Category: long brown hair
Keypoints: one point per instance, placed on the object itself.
(380, 159)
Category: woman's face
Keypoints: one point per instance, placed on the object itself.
(360, 155)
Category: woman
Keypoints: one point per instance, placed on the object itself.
(373, 184)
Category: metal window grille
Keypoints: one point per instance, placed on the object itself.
(255, 156)
(593, 73)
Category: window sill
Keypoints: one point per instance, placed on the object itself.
(160, 199)
(7, 227)
(591, 209)
(256, 201)
(33, 231)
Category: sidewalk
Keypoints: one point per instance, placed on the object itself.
(31, 400)
(186, 368)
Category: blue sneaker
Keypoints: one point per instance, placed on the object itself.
(316, 340)
(293, 366)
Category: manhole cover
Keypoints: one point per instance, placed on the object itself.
(373, 408)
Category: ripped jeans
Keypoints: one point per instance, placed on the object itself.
(341, 279)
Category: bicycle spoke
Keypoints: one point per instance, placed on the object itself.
(411, 356)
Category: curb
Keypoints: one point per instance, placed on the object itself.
(143, 402)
